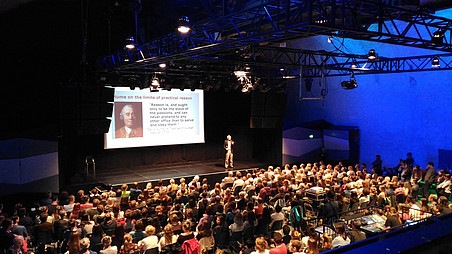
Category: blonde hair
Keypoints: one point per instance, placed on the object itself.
(150, 230)
(261, 244)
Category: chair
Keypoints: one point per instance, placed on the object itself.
(152, 251)
(174, 248)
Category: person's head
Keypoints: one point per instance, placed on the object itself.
(430, 165)
(277, 237)
(261, 244)
(409, 155)
(127, 115)
(84, 244)
(356, 224)
(228, 137)
(340, 228)
(150, 230)
(18, 241)
(128, 239)
(106, 241)
(295, 246)
(313, 245)
(139, 225)
(186, 226)
(327, 241)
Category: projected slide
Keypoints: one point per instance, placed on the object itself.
(141, 118)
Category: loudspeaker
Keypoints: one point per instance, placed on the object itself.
(267, 109)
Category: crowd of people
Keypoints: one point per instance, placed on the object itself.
(256, 211)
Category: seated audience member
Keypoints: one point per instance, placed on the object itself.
(150, 241)
(261, 246)
(276, 216)
(18, 245)
(294, 247)
(326, 242)
(129, 247)
(341, 238)
(313, 246)
(443, 188)
(74, 244)
(392, 219)
(6, 236)
(187, 234)
(280, 247)
(108, 249)
(356, 233)
(138, 234)
(168, 237)
(84, 246)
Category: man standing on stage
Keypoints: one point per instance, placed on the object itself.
(228, 146)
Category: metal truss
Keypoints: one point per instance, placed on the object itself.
(268, 21)
(323, 63)
(279, 62)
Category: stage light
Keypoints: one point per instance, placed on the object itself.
(162, 65)
(351, 84)
(435, 62)
(240, 73)
(155, 84)
(438, 37)
(183, 25)
(130, 42)
(372, 55)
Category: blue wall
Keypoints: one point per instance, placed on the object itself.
(396, 113)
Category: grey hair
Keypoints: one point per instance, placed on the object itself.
(121, 115)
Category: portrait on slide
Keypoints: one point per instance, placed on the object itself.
(128, 120)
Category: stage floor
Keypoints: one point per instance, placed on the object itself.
(168, 171)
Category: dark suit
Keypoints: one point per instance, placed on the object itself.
(229, 147)
(429, 179)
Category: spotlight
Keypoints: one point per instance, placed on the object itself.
(348, 85)
(435, 62)
(162, 65)
(372, 55)
(130, 42)
(155, 84)
(438, 37)
(183, 25)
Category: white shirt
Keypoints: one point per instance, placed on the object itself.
(128, 131)
(149, 242)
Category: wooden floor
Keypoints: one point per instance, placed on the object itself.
(168, 171)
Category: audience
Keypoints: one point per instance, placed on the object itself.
(235, 214)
